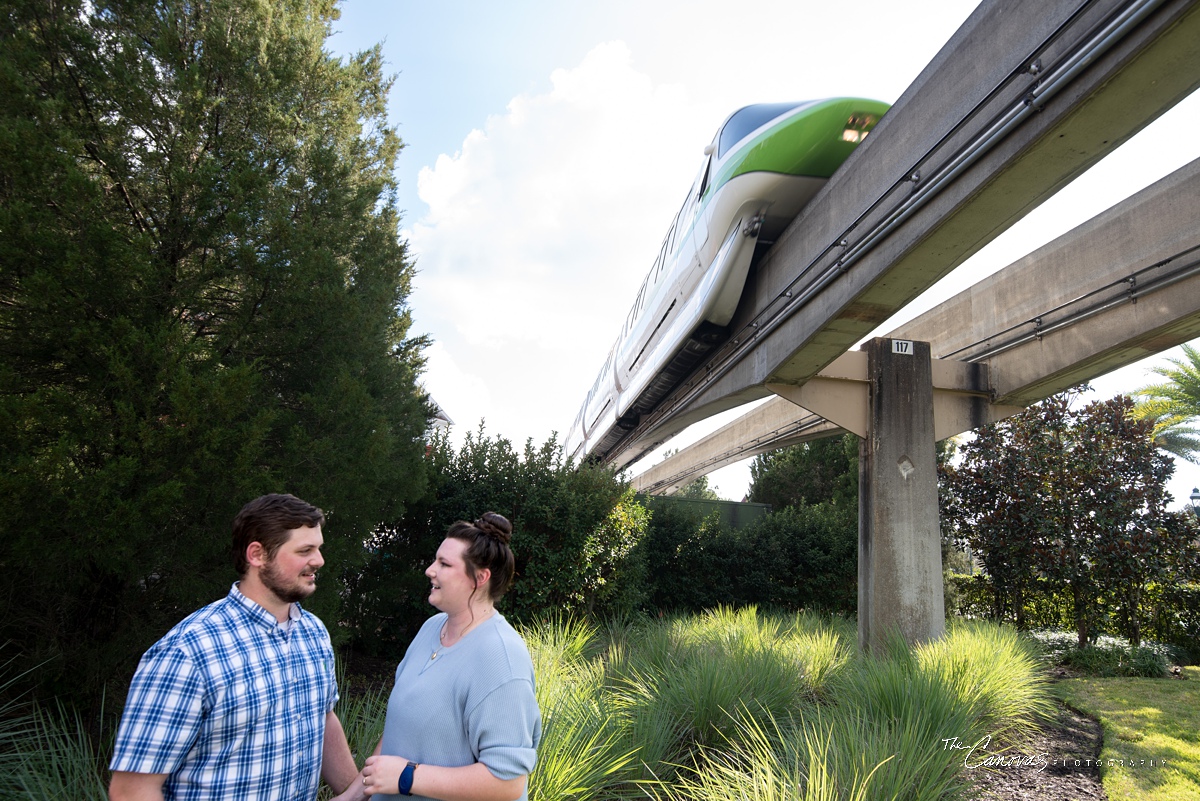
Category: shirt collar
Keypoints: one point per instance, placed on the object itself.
(261, 615)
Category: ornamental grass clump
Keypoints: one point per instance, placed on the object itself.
(46, 753)
(782, 762)
(712, 671)
(884, 726)
(899, 712)
(585, 750)
(730, 704)
(995, 673)
(882, 742)
(822, 654)
(361, 711)
(48, 756)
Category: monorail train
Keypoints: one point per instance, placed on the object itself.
(764, 165)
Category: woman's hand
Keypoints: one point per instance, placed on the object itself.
(381, 774)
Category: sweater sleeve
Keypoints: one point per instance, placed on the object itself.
(506, 727)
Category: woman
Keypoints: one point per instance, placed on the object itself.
(462, 721)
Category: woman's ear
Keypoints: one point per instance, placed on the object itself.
(482, 577)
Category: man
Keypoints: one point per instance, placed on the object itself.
(236, 701)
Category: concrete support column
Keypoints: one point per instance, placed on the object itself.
(899, 540)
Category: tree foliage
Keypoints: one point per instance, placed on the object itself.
(824, 470)
(699, 489)
(202, 298)
(574, 529)
(1174, 405)
(800, 557)
(1075, 499)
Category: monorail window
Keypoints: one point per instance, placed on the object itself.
(704, 179)
(748, 120)
(858, 126)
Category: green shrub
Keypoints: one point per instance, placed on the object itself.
(800, 557)
(1111, 661)
(683, 554)
(797, 558)
(972, 595)
(1176, 618)
(574, 531)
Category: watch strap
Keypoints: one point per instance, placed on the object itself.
(406, 778)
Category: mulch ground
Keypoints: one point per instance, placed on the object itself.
(1061, 765)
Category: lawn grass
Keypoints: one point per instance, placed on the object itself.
(1151, 733)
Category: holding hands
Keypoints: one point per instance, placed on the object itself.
(380, 776)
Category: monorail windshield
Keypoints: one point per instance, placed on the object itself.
(747, 120)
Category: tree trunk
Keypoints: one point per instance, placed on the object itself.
(1081, 620)
(1019, 604)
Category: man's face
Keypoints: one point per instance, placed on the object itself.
(291, 574)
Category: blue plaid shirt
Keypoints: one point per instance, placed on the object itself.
(231, 704)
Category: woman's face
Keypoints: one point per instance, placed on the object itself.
(452, 587)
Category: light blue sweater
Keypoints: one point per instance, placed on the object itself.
(473, 702)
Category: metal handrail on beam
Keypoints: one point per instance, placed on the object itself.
(777, 311)
(1137, 287)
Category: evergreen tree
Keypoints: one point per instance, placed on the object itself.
(202, 298)
(824, 470)
(699, 490)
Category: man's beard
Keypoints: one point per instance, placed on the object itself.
(287, 592)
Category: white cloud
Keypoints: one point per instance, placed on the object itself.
(539, 229)
(451, 386)
(545, 218)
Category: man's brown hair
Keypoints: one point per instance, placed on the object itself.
(268, 520)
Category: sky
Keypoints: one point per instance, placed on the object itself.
(548, 145)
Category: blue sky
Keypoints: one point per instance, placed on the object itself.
(548, 145)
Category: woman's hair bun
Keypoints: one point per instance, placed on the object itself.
(495, 526)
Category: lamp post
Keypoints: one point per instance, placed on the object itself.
(1195, 501)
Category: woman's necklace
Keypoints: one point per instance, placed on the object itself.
(442, 635)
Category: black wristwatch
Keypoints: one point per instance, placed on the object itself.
(406, 778)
